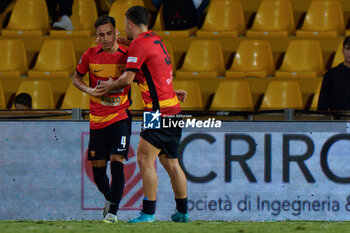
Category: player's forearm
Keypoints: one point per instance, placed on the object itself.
(124, 80)
(80, 84)
(119, 84)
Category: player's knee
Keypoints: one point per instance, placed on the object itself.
(117, 158)
(141, 161)
(99, 163)
(144, 161)
(141, 157)
(174, 168)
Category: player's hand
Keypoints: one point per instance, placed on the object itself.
(97, 42)
(181, 95)
(93, 92)
(105, 87)
(123, 40)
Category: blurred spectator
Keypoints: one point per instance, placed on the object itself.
(64, 13)
(335, 90)
(23, 101)
(181, 14)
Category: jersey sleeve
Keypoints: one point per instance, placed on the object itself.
(83, 65)
(136, 57)
(123, 49)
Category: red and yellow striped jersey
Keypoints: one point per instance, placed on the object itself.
(148, 57)
(108, 109)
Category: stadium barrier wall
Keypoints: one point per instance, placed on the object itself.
(246, 171)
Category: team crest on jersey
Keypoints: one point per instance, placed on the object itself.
(93, 153)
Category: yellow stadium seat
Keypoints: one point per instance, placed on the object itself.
(56, 59)
(303, 59)
(136, 97)
(84, 15)
(104, 5)
(224, 19)
(273, 19)
(253, 58)
(160, 30)
(75, 98)
(28, 18)
(2, 97)
(193, 100)
(118, 10)
(323, 19)
(40, 91)
(282, 95)
(339, 56)
(204, 58)
(314, 103)
(6, 12)
(233, 95)
(13, 59)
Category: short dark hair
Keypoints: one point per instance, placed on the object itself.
(104, 19)
(24, 98)
(346, 41)
(138, 15)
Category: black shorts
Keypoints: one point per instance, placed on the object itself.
(165, 139)
(113, 139)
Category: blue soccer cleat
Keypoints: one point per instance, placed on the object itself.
(180, 217)
(143, 218)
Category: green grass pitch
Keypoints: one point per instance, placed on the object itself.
(29, 226)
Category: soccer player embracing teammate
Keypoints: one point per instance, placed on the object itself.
(149, 64)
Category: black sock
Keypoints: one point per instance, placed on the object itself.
(117, 187)
(113, 208)
(181, 205)
(149, 207)
(102, 181)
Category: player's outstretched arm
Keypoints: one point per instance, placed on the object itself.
(124, 80)
(181, 95)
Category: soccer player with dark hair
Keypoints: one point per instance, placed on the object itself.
(335, 90)
(150, 65)
(110, 120)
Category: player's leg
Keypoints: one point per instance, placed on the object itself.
(146, 157)
(117, 188)
(118, 182)
(99, 168)
(118, 141)
(168, 159)
(179, 185)
(176, 174)
(97, 154)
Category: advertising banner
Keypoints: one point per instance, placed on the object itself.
(241, 171)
